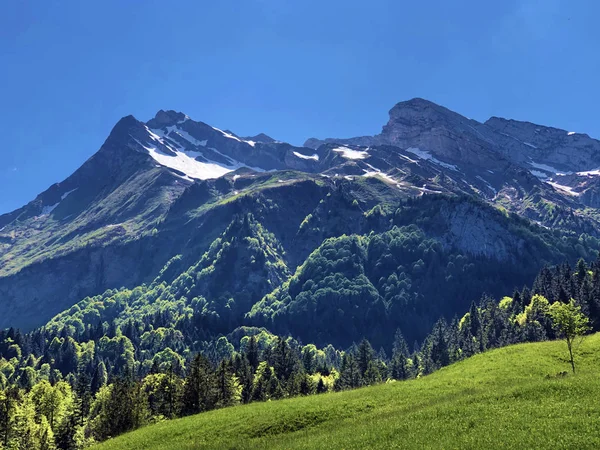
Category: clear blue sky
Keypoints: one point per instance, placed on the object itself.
(291, 69)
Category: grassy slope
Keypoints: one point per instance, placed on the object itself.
(509, 398)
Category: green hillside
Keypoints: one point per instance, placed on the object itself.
(514, 397)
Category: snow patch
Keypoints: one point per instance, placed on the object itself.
(520, 141)
(66, 194)
(378, 173)
(235, 177)
(428, 156)
(348, 153)
(539, 174)
(565, 189)
(227, 135)
(48, 209)
(185, 135)
(488, 185)
(408, 159)
(427, 190)
(231, 136)
(593, 173)
(185, 160)
(570, 133)
(544, 167)
(314, 157)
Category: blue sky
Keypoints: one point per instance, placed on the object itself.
(291, 69)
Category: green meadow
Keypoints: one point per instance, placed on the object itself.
(522, 396)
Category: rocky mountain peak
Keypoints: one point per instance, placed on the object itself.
(422, 115)
(261, 137)
(166, 119)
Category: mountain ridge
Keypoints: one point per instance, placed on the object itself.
(172, 185)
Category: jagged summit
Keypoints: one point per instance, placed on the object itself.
(261, 137)
(166, 118)
(418, 103)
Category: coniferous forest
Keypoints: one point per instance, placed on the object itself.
(66, 387)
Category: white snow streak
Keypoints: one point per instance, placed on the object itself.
(48, 209)
(348, 153)
(66, 194)
(377, 173)
(188, 137)
(314, 157)
(429, 157)
(488, 185)
(566, 189)
(227, 135)
(539, 174)
(544, 167)
(593, 173)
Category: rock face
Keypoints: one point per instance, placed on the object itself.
(524, 141)
(423, 124)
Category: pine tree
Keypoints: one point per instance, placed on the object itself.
(83, 396)
(226, 385)
(350, 374)
(100, 377)
(475, 325)
(321, 388)
(365, 356)
(65, 435)
(125, 409)
(199, 390)
(439, 348)
(285, 361)
(246, 379)
(308, 361)
(400, 346)
(400, 367)
(307, 386)
(9, 400)
(253, 353)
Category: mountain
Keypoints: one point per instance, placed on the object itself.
(185, 268)
(171, 187)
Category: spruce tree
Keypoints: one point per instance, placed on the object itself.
(100, 377)
(253, 353)
(199, 389)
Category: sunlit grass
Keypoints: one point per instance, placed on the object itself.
(515, 397)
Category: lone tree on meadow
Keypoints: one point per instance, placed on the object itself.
(570, 323)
